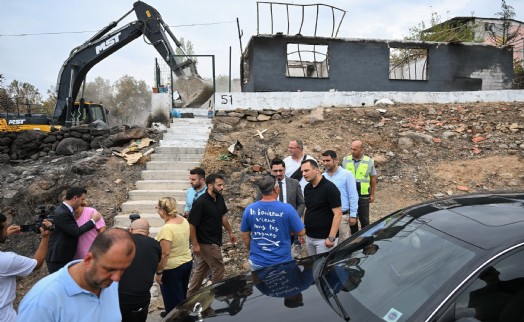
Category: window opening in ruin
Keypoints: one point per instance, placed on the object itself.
(304, 60)
(408, 63)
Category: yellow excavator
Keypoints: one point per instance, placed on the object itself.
(70, 111)
(17, 123)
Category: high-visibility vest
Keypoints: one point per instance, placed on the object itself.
(361, 173)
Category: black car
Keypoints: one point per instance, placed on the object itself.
(456, 259)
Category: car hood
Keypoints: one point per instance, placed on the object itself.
(286, 291)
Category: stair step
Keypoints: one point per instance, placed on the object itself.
(196, 127)
(169, 165)
(123, 221)
(180, 150)
(164, 174)
(135, 195)
(194, 157)
(203, 119)
(183, 144)
(146, 206)
(162, 184)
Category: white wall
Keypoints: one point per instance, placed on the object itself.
(309, 100)
(161, 101)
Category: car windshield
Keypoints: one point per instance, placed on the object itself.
(390, 270)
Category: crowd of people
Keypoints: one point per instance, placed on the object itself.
(297, 205)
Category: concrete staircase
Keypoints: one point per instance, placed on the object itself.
(167, 174)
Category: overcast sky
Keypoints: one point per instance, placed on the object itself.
(54, 27)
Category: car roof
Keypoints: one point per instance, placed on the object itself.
(485, 220)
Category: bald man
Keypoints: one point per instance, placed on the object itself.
(135, 285)
(84, 287)
(363, 168)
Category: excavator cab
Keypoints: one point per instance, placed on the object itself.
(85, 113)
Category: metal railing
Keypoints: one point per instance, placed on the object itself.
(335, 27)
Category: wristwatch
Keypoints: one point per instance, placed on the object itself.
(331, 239)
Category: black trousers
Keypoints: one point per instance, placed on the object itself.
(134, 312)
(362, 214)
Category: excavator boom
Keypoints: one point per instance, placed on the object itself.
(149, 23)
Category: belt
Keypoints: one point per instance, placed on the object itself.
(345, 212)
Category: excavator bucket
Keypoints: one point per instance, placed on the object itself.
(194, 90)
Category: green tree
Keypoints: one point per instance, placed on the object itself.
(453, 31)
(99, 91)
(507, 32)
(24, 91)
(6, 105)
(49, 104)
(186, 48)
(131, 101)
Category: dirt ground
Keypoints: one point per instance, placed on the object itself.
(422, 152)
(444, 160)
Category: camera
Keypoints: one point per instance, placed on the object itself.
(42, 213)
(134, 217)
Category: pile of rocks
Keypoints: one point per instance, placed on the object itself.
(66, 141)
(227, 119)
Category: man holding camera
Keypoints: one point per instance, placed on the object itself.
(13, 265)
(64, 239)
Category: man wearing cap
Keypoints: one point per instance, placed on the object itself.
(267, 226)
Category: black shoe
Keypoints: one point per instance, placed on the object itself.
(163, 314)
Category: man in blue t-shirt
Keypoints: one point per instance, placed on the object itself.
(267, 226)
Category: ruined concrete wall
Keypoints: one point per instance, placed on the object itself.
(363, 65)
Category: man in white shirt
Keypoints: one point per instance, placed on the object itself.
(294, 161)
(13, 265)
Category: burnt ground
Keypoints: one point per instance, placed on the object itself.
(422, 152)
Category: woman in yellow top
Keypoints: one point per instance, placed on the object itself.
(175, 266)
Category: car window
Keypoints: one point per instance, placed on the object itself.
(388, 274)
(497, 294)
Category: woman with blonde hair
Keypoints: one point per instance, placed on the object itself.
(175, 266)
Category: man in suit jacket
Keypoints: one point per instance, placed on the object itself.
(64, 238)
(291, 193)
